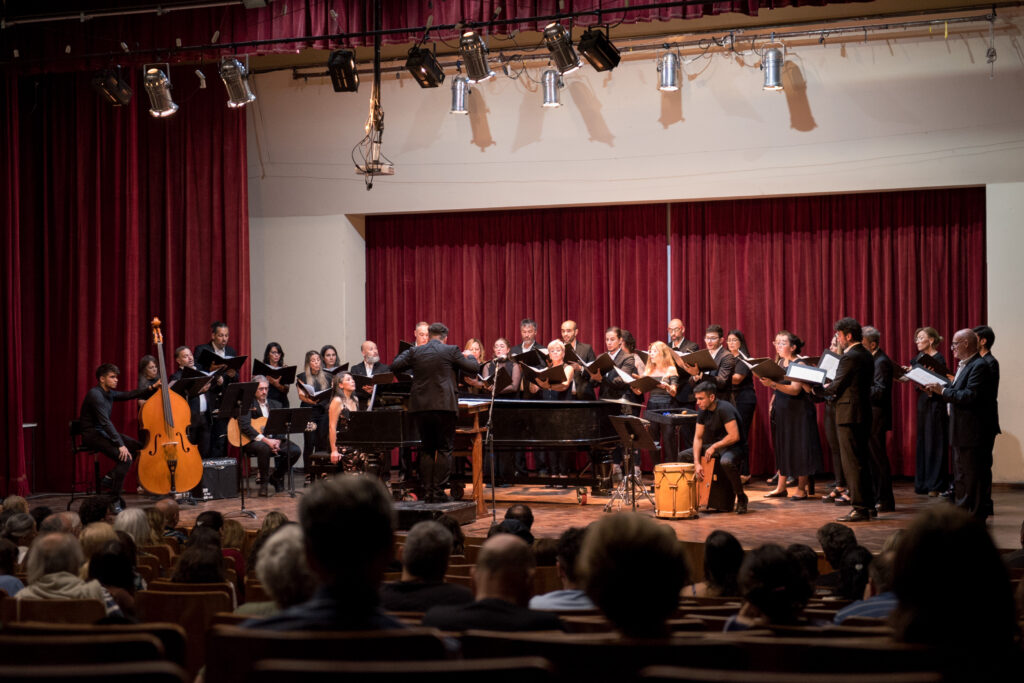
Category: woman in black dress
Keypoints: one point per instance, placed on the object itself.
(742, 396)
(329, 358)
(273, 357)
(504, 467)
(317, 377)
(557, 391)
(931, 471)
(795, 437)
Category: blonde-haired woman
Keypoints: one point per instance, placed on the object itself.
(662, 367)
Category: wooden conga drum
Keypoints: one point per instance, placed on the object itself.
(675, 491)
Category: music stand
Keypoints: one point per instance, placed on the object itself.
(500, 374)
(633, 434)
(289, 421)
(236, 399)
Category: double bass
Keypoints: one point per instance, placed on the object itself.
(169, 462)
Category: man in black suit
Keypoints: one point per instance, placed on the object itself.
(504, 582)
(582, 390)
(199, 406)
(972, 424)
(370, 366)
(528, 334)
(851, 393)
(612, 385)
(714, 341)
(986, 338)
(262, 445)
(677, 341)
(434, 404)
(218, 345)
(881, 420)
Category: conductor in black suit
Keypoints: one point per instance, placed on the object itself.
(881, 420)
(850, 391)
(434, 404)
(582, 389)
(263, 446)
(972, 423)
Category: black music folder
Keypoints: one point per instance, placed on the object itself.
(196, 373)
(318, 396)
(285, 375)
(751, 362)
(769, 369)
(501, 378)
(363, 382)
(829, 362)
(190, 387)
(208, 359)
(334, 371)
(801, 372)
(644, 384)
(934, 364)
(552, 375)
(702, 359)
(402, 347)
(923, 376)
(532, 358)
(602, 363)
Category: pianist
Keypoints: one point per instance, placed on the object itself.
(434, 405)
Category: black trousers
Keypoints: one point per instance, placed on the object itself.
(881, 470)
(286, 457)
(972, 478)
(199, 433)
(855, 449)
(437, 436)
(98, 442)
(832, 436)
(729, 462)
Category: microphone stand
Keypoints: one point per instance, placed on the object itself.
(490, 441)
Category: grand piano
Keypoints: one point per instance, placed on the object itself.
(518, 425)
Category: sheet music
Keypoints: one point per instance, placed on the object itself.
(805, 373)
(924, 377)
(829, 363)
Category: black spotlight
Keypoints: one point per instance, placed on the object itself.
(423, 66)
(109, 84)
(342, 65)
(598, 50)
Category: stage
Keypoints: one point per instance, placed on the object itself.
(775, 520)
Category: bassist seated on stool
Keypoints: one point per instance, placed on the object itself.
(263, 446)
(718, 427)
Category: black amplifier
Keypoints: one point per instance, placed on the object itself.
(220, 478)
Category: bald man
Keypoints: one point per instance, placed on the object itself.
(972, 423)
(168, 507)
(370, 366)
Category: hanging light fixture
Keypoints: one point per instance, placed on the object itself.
(460, 91)
(342, 67)
(158, 87)
(771, 64)
(423, 66)
(474, 53)
(668, 72)
(236, 81)
(109, 84)
(599, 50)
(552, 82)
(560, 46)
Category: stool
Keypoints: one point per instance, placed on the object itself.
(77, 452)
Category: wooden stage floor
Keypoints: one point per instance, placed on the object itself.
(773, 520)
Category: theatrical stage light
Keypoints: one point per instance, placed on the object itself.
(236, 82)
(158, 87)
(423, 66)
(668, 72)
(473, 51)
(598, 50)
(559, 44)
(771, 64)
(109, 85)
(342, 67)
(460, 91)
(552, 81)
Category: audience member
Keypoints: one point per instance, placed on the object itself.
(545, 552)
(52, 569)
(39, 513)
(274, 520)
(199, 563)
(14, 504)
(93, 538)
(775, 590)
(9, 583)
(723, 556)
(879, 601)
(62, 522)
(131, 551)
(953, 588)
(134, 522)
(503, 576)
(96, 509)
(20, 529)
(210, 519)
(522, 513)
(348, 527)
(633, 569)
(425, 557)
(853, 573)
(807, 558)
(232, 540)
(282, 570)
(170, 510)
(835, 540)
(455, 529)
(571, 596)
(113, 567)
(511, 526)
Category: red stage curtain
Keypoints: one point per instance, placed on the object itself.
(122, 218)
(898, 261)
(482, 272)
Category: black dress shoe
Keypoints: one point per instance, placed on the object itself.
(774, 480)
(777, 494)
(891, 507)
(855, 516)
(741, 505)
(873, 512)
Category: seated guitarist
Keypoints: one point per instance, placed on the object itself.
(262, 446)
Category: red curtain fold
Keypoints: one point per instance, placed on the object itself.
(481, 273)
(158, 35)
(122, 218)
(896, 260)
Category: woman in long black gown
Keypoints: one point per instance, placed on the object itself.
(931, 472)
(797, 447)
(742, 396)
